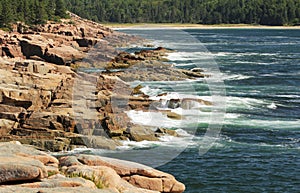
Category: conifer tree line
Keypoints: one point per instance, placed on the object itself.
(31, 11)
(265, 12)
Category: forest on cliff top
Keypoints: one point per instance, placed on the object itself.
(31, 11)
(263, 12)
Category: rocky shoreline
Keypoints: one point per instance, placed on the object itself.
(47, 101)
(24, 169)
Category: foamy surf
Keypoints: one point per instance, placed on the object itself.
(244, 102)
(183, 140)
(274, 124)
(236, 77)
(159, 119)
(189, 56)
(272, 106)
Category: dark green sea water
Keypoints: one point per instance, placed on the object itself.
(258, 149)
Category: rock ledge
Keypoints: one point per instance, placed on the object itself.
(24, 169)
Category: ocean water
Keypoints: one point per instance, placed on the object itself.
(257, 146)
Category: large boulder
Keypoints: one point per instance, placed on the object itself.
(102, 176)
(63, 55)
(28, 156)
(142, 133)
(18, 168)
(137, 174)
(99, 142)
(147, 183)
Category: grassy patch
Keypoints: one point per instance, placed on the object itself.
(51, 173)
(99, 181)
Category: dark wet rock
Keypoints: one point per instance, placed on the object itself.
(167, 131)
(141, 133)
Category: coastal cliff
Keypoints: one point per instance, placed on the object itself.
(49, 102)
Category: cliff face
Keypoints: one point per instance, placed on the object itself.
(39, 91)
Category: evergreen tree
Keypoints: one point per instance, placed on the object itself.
(40, 12)
(60, 9)
(50, 5)
(6, 14)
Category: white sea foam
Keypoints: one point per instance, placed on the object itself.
(150, 91)
(189, 56)
(222, 54)
(272, 106)
(173, 95)
(80, 150)
(244, 102)
(159, 119)
(232, 116)
(235, 77)
(266, 124)
(185, 64)
(285, 145)
(183, 133)
(243, 54)
(156, 119)
(141, 144)
(184, 140)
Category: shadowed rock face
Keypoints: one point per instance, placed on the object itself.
(25, 169)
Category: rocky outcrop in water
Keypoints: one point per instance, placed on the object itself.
(148, 65)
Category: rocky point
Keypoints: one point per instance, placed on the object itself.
(49, 102)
